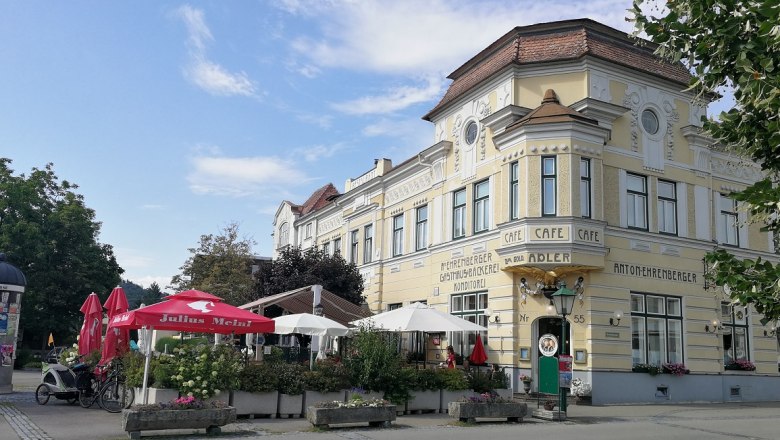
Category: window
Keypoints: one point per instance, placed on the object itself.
(585, 188)
(650, 121)
(728, 221)
(394, 306)
(337, 246)
(481, 208)
(514, 194)
(421, 228)
(637, 201)
(459, 213)
(469, 306)
(471, 132)
(308, 230)
(735, 333)
(656, 329)
(667, 207)
(549, 183)
(326, 248)
(368, 243)
(353, 247)
(284, 234)
(398, 235)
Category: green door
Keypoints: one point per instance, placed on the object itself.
(548, 375)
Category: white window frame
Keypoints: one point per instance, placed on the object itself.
(728, 221)
(459, 214)
(368, 243)
(481, 206)
(667, 222)
(636, 202)
(398, 235)
(549, 187)
(421, 228)
(586, 207)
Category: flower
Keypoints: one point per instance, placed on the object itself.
(676, 369)
(486, 397)
(741, 364)
(182, 403)
(353, 403)
(526, 378)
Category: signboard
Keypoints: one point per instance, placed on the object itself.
(564, 371)
(548, 345)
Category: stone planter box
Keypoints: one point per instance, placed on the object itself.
(311, 398)
(469, 411)
(133, 422)
(157, 395)
(424, 401)
(452, 396)
(290, 405)
(262, 404)
(374, 416)
(505, 393)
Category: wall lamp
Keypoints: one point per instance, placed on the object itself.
(491, 317)
(712, 327)
(615, 319)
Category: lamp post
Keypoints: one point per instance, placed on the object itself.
(563, 299)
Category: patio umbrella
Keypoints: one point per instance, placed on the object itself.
(418, 317)
(117, 341)
(308, 324)
(191, 311)
(89, 336)
(478, 356)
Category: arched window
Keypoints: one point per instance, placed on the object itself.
(284, 234)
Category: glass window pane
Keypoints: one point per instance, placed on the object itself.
(638, 339)
(549, 196)
(636, 183)
(673, 306)
(666, 190)
(637, 303)
(483, 301)
(728, 346)
(675, 341)
(584, 168)
(514, 171)
(470, 302)
(585, 198)
(548, 166)
(740, 315)
(481, 190)
(460, 197)
(655, 304)
(656, 340)
(740, 343)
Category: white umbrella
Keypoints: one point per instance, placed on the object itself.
(308, 324)
(418, 317)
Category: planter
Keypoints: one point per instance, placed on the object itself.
(470, 411)
(290, 405)
(448, 396)
(527, 387)
(157, 395)
(313, 397)
(133, 422)
(505, 393)
(247, 403)
(374, 416)
(429, 400)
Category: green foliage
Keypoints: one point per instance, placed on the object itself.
(133, 363)
(734, 43)
(220, 265)
(296, 268)
(162, 369)
(426, 380)
(453, 379)
(327, 376)
(47, 231)
(650, 369)
(480, 381)
(174, 343)
(24, 357)
(162, 372)
(499, 379)
(374, 364)
(205, 371)
(289, 378)
(257, 378)
(276, 356)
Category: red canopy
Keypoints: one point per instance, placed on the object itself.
(194, 311)
(117, 341)
(91, 329)
(478, 356)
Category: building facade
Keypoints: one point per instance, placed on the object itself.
(563, 153)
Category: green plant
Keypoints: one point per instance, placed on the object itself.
(276, 356)
(257, 378)
(373, 361)
(24, 357)
(453, 379)
(479, 381)
(163, 371)
(426, 380)
(205, 371)
(650, 369)
(133, 363)
(327, 376)
(289, 378)
(499, 380)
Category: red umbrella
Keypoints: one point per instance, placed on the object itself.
(194, 311)
(117, 341)
(89, 337)
(478, 356)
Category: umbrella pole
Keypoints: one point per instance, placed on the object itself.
(147, 349)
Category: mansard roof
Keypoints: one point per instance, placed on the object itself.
(317, 200)
(555, 42)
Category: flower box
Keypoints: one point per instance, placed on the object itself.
(740, 366)
(448, 396)
(134, 421)
(314, 397)
(290, 405)
(470, 411)
(373, 415)
(247, 403)
(505, 393)
(156, 395)
(429, 400)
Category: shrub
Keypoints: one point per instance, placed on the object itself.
(257, 378)
(327, 376)
(162, 372)
(499, 379)
(168, 343)
(133, 363)
(205, 371)
(480, 381)
(452, 379)
(276, 356)
(289, 377)
(24, 357)
(426, 380)
(650, 369)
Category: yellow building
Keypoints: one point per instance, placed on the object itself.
(563, 153)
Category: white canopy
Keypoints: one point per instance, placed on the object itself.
(418, 317)
(308, 324)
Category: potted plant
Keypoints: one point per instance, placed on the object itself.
(549, 404)
(206, 371)
(161, 386)
(257, 391)
(676, 369)
(582, 390)
(650, 369)
(454, 384)
(741, 364)
(328, 381)
(425, 393)
(487, 405)
(376, 412)
(290, 385)
(526, 379)
(182, 413)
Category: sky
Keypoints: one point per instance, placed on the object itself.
(176, 119)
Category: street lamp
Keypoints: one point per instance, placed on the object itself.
(563, 299)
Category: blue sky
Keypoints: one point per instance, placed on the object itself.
(176, 119)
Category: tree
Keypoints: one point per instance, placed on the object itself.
(47, 231)
(220, 265)
(734, 43)
(297, 268)
(134, 292)
(151, 295)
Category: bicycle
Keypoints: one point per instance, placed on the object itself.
(111, 393)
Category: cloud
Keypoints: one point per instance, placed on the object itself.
(243, 176)
(394, 99)
(147, 280)
(202, 72)
(317, 152)
(322, 121)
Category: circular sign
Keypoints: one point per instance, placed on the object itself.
(548, 345)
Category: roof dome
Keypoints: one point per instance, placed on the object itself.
(10, 274)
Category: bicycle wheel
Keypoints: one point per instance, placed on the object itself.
(42, 394)
(88, 395)
(115, 395)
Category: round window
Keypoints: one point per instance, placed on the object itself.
(650, 121)
(471, 132)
